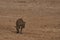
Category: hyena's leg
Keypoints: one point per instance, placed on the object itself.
(17, 28)
(21, 30)
(21, 27)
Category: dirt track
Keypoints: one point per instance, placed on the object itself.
(42, 19)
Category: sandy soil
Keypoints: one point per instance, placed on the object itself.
(42, 19)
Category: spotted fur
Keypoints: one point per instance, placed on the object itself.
(20, 24)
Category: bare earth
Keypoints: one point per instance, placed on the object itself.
(42, 19)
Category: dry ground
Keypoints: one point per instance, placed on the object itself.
(42, 19)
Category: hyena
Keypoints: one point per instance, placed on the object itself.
(20, 24)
